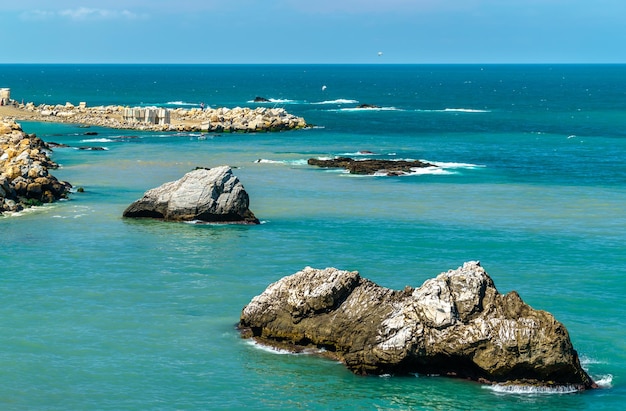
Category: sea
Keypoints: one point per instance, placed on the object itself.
(99, 312)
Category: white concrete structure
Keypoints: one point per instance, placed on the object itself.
(148, 115)
(5, 96)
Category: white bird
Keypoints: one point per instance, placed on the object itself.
(380, 53)
(323, 88)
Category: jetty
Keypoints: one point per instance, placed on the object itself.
(237, 119)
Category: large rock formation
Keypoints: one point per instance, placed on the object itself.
(24, 165)
(456, 324)
(370, 166)
(210, 195)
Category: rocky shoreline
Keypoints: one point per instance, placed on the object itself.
(24, 164)
(238, 119)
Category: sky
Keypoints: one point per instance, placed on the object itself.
(313, 31)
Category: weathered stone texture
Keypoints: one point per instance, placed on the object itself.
(456, 324)
(210, 195)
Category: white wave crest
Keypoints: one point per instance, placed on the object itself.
(363, 153)
(281, 351)
(444, 164)
(415, 171)
(297, 162)
(531, 390)
(274, 100)
(337, 101)
(267, 348)
(436, 171)
(453, 110)
(181, 103)
(465, 110)
(605, 381)
(585, 361)
(370, 109)
(97, 140)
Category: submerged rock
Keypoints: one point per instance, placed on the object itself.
(209, 195)
(456, 324)
(371, 166)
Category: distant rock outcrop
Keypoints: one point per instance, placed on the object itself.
(208, 195)
(456, 324)
(371, 166)
(24, 165)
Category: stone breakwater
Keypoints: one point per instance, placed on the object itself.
(24, 165)
(238, 119)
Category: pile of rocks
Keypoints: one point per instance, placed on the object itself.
(24, 165)
(249, 120)
(238, 119)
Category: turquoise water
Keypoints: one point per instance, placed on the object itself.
(99, 312)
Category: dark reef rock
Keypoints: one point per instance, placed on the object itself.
(367, 106)
(209, 195)
(261, 100)
(456, 324)
(372, 166)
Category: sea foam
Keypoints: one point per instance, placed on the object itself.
(453, 110)
(349, 109)
(337, 101)
(181, 103)
(274, 100)
(444, 164)
(281, 351)
(531, 390)
(297, 162)
(97, 140)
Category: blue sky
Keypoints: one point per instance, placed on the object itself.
(313, 31)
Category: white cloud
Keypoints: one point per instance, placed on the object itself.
(83, 14)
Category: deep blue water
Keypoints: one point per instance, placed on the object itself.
(99, 312)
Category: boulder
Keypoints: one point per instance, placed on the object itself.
(456, 324)
(209, 195)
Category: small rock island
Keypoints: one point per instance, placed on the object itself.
(456, 325)
(212, 195)
(370, 166)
